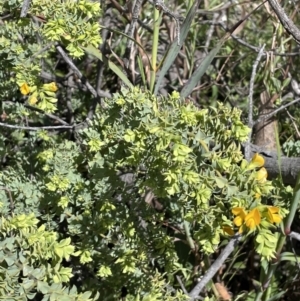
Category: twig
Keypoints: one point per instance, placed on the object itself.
(69, 102)
(293, 122)
(76, 70)
(129, 46)
(100, 65)
(159, 5)
(25, 8)
(35, 128)
(215, 267)
(250, 99)
(286, 22)
(268, 116)
(242, 42)
(209, 33)
(181, 284)
(40, 111)
(251, 86)
(65, 83)
(46, 47)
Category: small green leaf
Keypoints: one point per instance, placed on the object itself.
(221, 182)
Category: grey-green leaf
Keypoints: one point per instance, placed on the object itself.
(196, 76)
(175, 48)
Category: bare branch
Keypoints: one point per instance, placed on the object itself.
(129, 46)
(215, 267)
(250, 98)
(76, 70)
(251, 47)
(159, 4)
(35, 128)
(181, 284)
(268, 116)
(40, 111)
(286, 22)
(25, 8)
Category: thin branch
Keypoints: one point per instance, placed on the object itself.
(268, 116)
(215, 267)
(250, 99)
(251, 47)
(293, 122)
(69, 103)
(40, 111)
(25, 8)
(251, 87)
(210, 32)
(135, 15)
(181, 284)
(257, 49)
(35, 128)
(76, 70)
(286, 22)
(100, 65)
(65, 83)
(159, 4)
(46, 47)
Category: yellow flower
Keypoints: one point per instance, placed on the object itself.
(228, 230)
(240, 217)
(261, 175)
(32, 99)
(258, 160)
(253, 219)
(273, 215)
(50, 87)
(25, 89)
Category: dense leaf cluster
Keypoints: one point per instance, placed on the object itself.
(79, 213)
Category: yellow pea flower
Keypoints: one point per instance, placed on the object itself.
(228, 230)
(25, 89)
(253, 219)
(273, 215)
(240, 216)
(261, 175)
(33, 99)
(258, 160)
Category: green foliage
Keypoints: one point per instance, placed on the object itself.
(73, 24)
(291, 148)
(191, 157)
(80, 211)
(77, 218)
